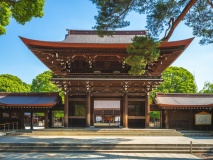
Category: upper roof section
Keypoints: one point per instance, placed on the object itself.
(29, 99)
(84, 52)
(169, 100)
(89, 36)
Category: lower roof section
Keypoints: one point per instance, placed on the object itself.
(29, 99)
(183, 100)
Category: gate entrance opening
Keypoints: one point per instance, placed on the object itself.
(107, 113)
(34, 120)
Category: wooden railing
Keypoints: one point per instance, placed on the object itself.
(8, 127)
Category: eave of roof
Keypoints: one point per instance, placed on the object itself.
(170, 51)
(39, 43)
(29, 99)
(173, 100)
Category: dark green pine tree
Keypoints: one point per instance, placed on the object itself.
(162, 15)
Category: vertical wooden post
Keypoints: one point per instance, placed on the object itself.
(166, 119)
(190, 119)
(31, 115)
(103, 116)
(50, 117)
(91, 112)
(147, 110)
(125, 110)
(121, 113)
(1, 116)
(161, 119)
(66, 110)
(88, 109)
(113, 116)
(46, 119)
(21, 125)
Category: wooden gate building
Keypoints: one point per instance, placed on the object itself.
(88, 68)
(185, 111)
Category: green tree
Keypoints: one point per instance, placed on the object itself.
(21, 10)
(10, 83)
(154, 115)
(162, 15)
(208, 88)
(42, 83)
(177, 80)
(140, 54)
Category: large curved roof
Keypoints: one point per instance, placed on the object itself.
(88, 47)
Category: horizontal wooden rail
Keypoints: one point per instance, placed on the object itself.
(7, 127)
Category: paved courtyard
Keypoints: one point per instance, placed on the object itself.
(95, 156)
(108, 139)
(101, 140)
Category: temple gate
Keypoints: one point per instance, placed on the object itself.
(88, 67)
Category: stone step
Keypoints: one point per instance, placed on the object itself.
(111, 132)
(101, 132)
(196, 133)
(63, 147)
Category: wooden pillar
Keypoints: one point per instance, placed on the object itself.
(92, 117)
(190, 119)
(147, 110)
(121, 113)
(46, 121)
(1, 116)
(88, 109)
(125, 110)
(31, 116)
(22, 119)
(113, 116)
(50, 117)
(166, 119)
(66, 110)
(161, 119)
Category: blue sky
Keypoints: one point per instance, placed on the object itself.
(17, 60)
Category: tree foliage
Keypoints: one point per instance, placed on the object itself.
(177, 80)
(162, 15)
(143, 51)
(208, 88)
(21, 10)
(154, 115)
(42, 83)
(10, 83)
(59, 114)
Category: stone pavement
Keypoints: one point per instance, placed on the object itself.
(101, 140)
(108, 139)
(95, 156)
